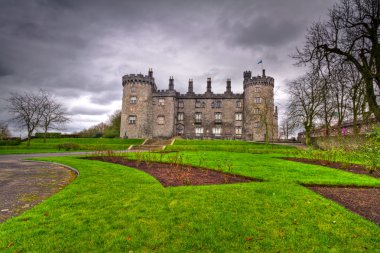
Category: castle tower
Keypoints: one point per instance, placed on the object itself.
(136, 113)
(259, 116)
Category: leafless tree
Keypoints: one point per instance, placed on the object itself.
(4, 131)
(305, 102)
(350, 34)
(287, 127)
(54, 115)
(27, 110)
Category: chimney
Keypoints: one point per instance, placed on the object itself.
(209, 85)
(190, 89)
(150, 72)
(263, 72)
(228, 89)
(171, 83)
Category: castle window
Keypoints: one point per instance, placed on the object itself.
(238, 116)
(258, 100)
(180, 116)
(133, 100)
(238, 130)
(198, 117)
(257, 125)
(257, 89)
(216, 104)
(132, 119)
(199, 104)
(161, 120)
(180, 104)
(256, 111)
(198, 131)
(217, 131)
(238, 104)
(161, 101)
(218, 116)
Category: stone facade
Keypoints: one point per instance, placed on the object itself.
(151, 113)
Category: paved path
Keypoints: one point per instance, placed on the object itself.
(24, 184)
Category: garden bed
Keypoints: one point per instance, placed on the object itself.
(177, 174)
(354, 168)
(360, 200)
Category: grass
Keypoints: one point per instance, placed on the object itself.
(112, 208)
(228, 145)
(85, 144)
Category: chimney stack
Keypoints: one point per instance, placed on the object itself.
(150, 72)
(171, 83)
(263, 72)
(191, 88)
(228, 90)
(209, 85)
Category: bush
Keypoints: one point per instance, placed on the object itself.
(68, 146)
(48, 135)
(10, 142)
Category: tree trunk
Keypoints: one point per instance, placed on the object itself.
(45, 134)
(371, 97)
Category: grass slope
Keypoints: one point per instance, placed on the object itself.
(112, 208)
(38, 146)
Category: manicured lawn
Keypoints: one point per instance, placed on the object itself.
(112, 208)
(85, 144)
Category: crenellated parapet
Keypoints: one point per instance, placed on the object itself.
(139, 78)
(258, 80)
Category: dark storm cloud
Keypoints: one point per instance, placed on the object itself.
(80, 49)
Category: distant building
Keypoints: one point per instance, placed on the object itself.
(151, 113)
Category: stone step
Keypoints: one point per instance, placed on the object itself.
(162, 142)
(147, 147)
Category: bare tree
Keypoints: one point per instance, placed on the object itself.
(350, 34)
(54, 115)
(305, 102)
(287, 127)
(4, 131)
(27, 110)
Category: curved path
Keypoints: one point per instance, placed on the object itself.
(24, 184)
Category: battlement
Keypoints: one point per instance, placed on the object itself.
(259, 80)
(138, 78)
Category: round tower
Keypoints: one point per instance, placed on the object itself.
(260, 121)
(137, 108)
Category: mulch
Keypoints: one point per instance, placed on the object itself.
(179, 175)
(354, 168)
(364, 201)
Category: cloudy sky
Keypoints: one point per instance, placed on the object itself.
(79, 50)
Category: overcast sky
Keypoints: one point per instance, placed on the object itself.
(79, 50)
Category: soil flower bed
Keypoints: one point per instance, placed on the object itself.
(177, 174)
(354, 168)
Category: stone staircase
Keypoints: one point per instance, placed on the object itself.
(152, 145)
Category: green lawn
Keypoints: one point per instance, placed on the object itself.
(112, 208)
(85, 144)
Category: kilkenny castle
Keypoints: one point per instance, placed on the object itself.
(151, 113)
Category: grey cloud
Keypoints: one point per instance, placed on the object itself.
(85, 110)
(82, 48)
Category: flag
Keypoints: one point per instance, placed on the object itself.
(260, 61)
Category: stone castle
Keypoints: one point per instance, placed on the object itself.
(151, 113)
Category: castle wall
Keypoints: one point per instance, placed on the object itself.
(208, 121)
(163, 118)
